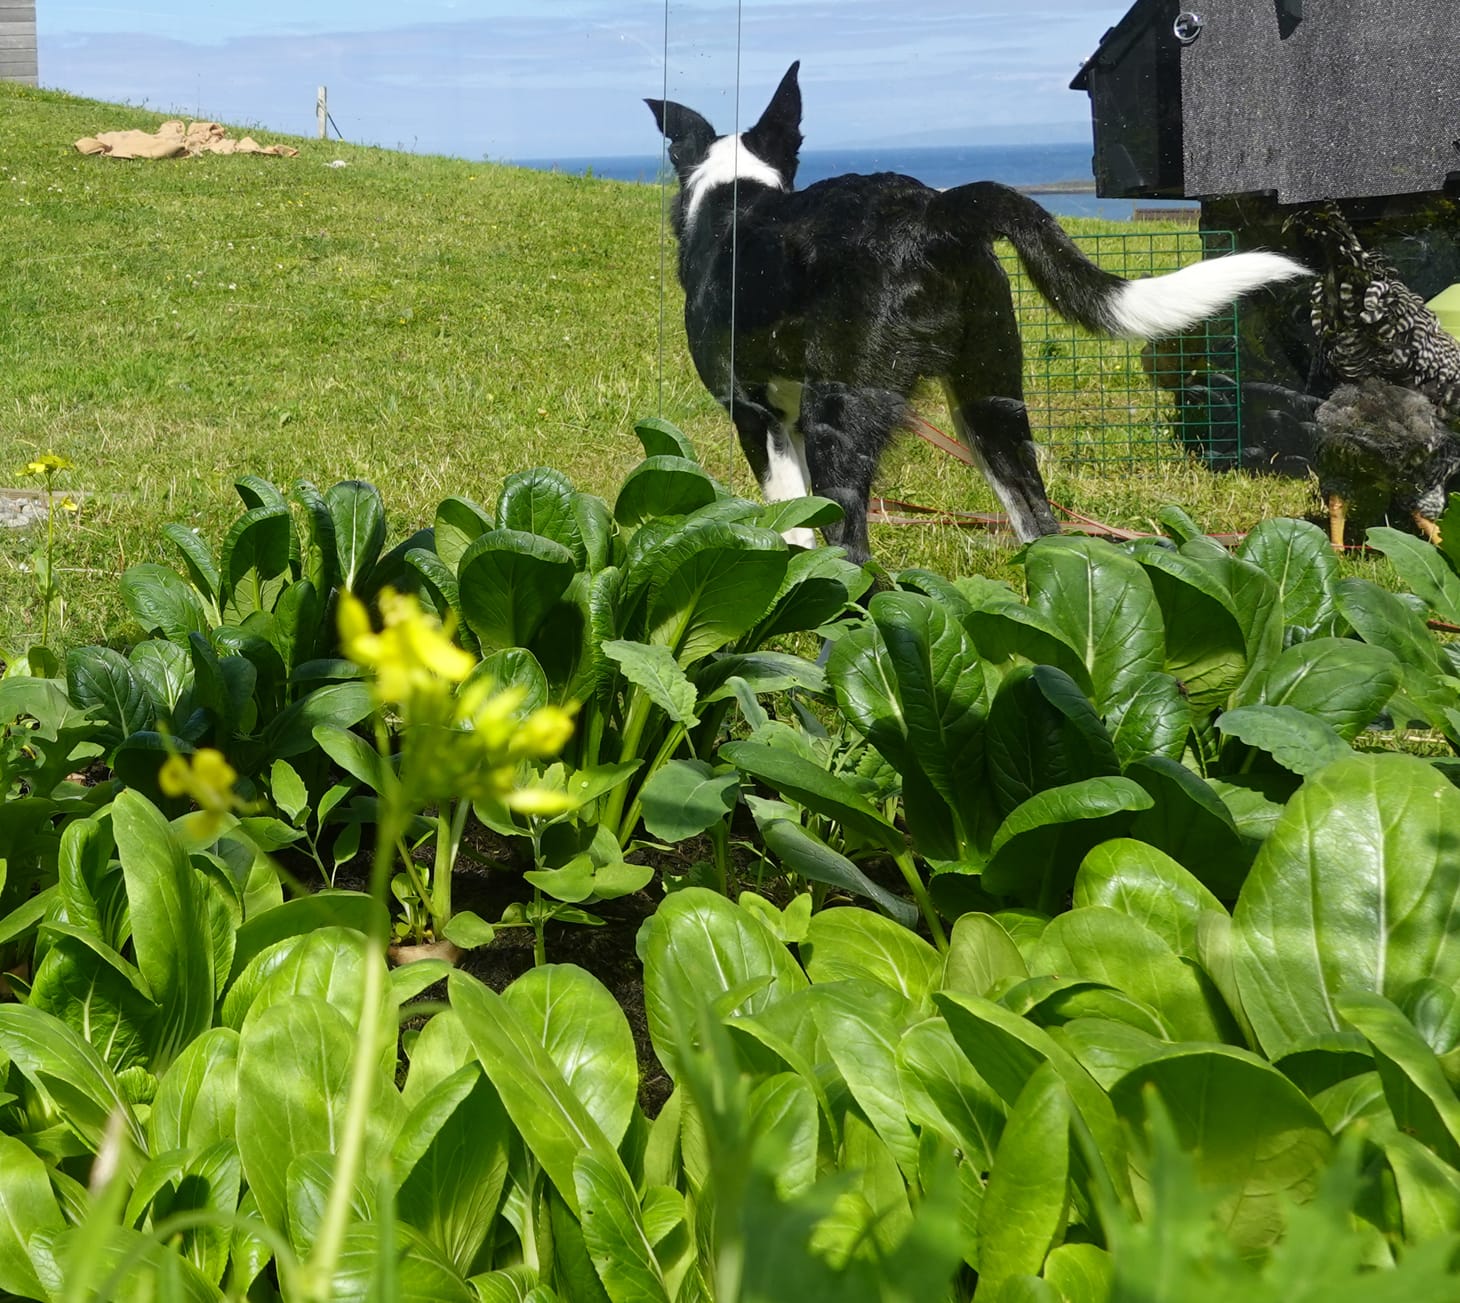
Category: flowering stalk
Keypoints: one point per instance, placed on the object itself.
(48, 467)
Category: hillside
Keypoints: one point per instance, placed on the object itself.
(426, 323)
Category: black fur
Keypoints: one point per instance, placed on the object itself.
(856, 288)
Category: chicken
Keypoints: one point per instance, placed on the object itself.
(1369, 323)
(1381, 447)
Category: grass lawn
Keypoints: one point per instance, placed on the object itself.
(425, 323)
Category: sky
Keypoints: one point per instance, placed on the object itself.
(535, 79)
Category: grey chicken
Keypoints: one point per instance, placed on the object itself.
(1382, 447)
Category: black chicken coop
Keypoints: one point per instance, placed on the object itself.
(1259, 108)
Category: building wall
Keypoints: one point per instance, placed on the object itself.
(1355, 98)
(17, 41)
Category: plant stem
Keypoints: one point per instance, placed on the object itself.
(448, 840)
(320, 1270)
(625, 830)
(920, 894)
(634, 724)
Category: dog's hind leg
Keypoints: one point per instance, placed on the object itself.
(986, 395)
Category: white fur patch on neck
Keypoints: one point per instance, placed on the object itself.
(726, 160)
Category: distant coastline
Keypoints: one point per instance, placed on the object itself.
(1059, 174)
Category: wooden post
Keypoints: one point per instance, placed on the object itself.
(321, 110)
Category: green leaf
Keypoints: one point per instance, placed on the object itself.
(1382, 619)
(162, 602)
(584, 1031)
(196, 1101)
(451, 1156)
(1043, 733)
(1352, 891)
(358, 513)
(663, 438)
(169, 928)
(509, 580)
(1038, 848)
(655, 670)
(1342, 682)
(27, 1206)
(698, 947)
(294, 1062)
(942, 698)
(542, 502)
(554, 1123)
(1422, 568)
(803, 853)
(613, 1230)
(198, 560)
(855, 943)
(1103, 602)
(1295, 739)
(1206, 649)
(1250, 1131)
(1152, 719)
(981, 954)
(302, 916)
(1188, 821)
(861, 1023)
(1420, 1097)
(1148, 886)
(1105, 945)
(712, 586)
(1024, 1205)
(255, 564)
(459, 522)
(65, 1069)
(100, 681)
(663, 485)
(85, 984)
(685, 797)
(943, 1092)
(1297, 556)
(1005, 1050)
(809, 785)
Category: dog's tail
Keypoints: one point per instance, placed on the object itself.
(1098, 300)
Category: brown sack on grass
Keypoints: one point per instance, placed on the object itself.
(173, 140)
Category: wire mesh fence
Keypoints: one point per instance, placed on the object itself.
(1099, 401)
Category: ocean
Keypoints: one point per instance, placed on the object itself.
(941, 167)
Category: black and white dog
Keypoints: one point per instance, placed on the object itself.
(812, 314)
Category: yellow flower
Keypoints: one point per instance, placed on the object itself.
(539, 801)
(543, 733)
(49, 464)
(206, 777)
(411, 654)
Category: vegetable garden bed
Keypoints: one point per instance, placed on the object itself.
(1055, 944)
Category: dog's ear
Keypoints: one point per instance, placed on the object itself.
(776, 138)
(689, 134)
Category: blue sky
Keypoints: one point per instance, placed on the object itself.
(510, 79)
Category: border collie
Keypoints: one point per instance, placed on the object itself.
(812, 314)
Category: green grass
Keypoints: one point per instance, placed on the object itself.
(425, 323)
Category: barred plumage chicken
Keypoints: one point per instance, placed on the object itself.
(1369, 323)
(1384, 442)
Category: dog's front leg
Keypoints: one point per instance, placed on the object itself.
(845, 431)
(776, 453)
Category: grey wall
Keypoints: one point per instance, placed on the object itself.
(17, 41)
(1357, 98)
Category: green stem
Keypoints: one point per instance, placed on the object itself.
(320, 1270)
(634, 724)
(631, 820)
(920, 894)
(448, 841)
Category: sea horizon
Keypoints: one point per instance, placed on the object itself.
(1066, 168)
